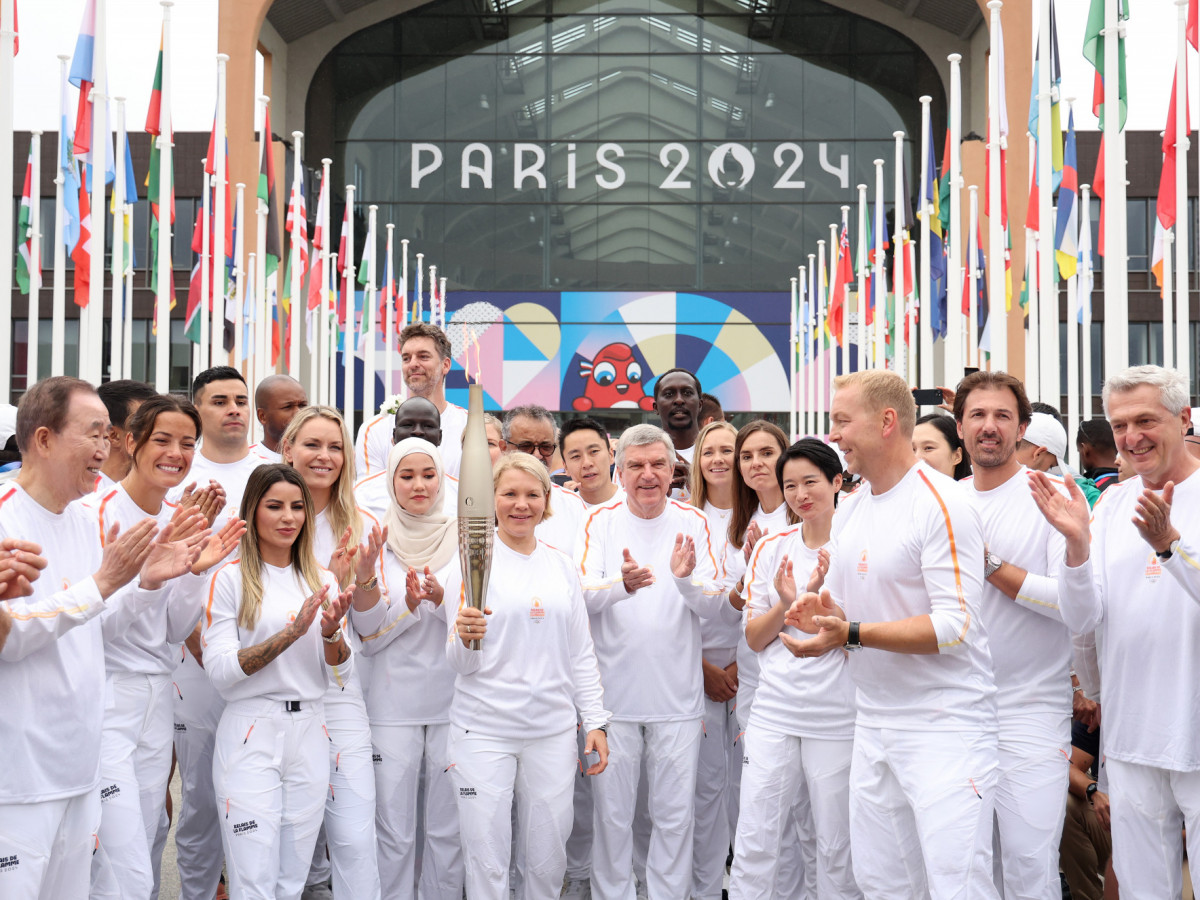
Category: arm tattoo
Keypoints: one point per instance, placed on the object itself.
(339, 651)
(252, 659)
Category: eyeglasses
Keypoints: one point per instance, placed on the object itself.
(545, 448)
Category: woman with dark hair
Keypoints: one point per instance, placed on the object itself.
(140, 655)
(935, 440)
(272, 668)
(801, 731)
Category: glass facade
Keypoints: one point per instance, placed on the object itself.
(597, 145)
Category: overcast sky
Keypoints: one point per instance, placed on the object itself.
(49, 27)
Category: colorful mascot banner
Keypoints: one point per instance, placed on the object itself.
(583, 351)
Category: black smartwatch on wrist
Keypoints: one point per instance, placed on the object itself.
(853, 641)
(1090, 791)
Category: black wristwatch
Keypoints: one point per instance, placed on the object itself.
(853, 641)
(1090, 791)
(1164, 555)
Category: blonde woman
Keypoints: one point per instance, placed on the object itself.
(316, 445)
(411, 682)
(517, 698)
(272, 667)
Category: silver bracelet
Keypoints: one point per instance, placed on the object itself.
(333, 638)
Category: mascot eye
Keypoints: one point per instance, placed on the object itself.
(634, 373)
(605, 374)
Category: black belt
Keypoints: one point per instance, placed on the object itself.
(291, 706)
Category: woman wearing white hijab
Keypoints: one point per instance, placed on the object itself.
(411, 683)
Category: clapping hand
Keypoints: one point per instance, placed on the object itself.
(753, 534)
(831, 634)
(1070, 516)
(683, 557)
(368, 553)
(220, 545)
(809, 607)
(210, 500)
(418, 588)
(1153, 519)
(334, 611)
(169, 558)
(308, 611)
(635, 576)
(21, 563)
(341, 564)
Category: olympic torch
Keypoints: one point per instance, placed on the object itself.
(476, 505)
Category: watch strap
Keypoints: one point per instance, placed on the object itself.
(853, 639)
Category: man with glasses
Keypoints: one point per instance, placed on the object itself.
(532, 429)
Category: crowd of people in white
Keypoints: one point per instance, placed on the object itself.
(696, 670)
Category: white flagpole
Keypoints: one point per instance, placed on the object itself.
(350, 337)
(200, 349)
(822, 319)
(1116, 260)
(793, 345)
(1085, 299)
(1033, 363)
(389, 297)
(324, 391)
(294, 319)
(220, 214)
(370, 326)
(334, 331)
(1184, 349)
(404, 312)
(954, 323)
(997, 312)
(118, 248)
(166, 277)
(58, 324)
(433, 305)
(1047, 283)
(91, 339)
(251, 283)
(262, 316)
(8, 36)
(1073, 406)
(814, 343)
(898, 260)
(925, 344)
(861, 302)
(1168, 238)
(877, 279)
(419, 303)
(804, 368)
(442, 301)
(844, 349)
(239, 273)
(127, 351)
(35, 257)
(974, 357)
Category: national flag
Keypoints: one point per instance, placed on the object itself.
(931, 197)
(83, 78)
(1166, 181)
(1156, 256)
(843, 274)
(82, 254)
(1067, 225)
(1093, 52)
(16, 30)
(195, 300)
(295, 226)
(222, 275)
(249, 316)
(981, 295)
(1193, 33)
(155, 118)
(316, 274)
(26, 237)
(229, 329)
(266, 192)
(344, 266)
(123, 222)
(69, 172)
(1055, 131)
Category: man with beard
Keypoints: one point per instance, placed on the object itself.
(425, 354)
(1031, 647)
(415, 417)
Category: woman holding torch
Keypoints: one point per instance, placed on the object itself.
(513, 717)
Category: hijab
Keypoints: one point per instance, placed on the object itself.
(418, 541)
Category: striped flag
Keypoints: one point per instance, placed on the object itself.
(266, 193)
(82, 254)
(155, 116)
(1067, 225)
(83, 78)
(27, 279)
(297, 224)
(195, 299)
(1093, 52)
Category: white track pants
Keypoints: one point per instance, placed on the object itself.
(718, 772)
(46, 848)
(671, 751)
(135, 763)
(271, 775)
(579, 844)
(1031, 802)
(401, 751)
(486, 772)
(197, 835)
(350, 801)
(921, 808)
(1150, 807)
(780, 771)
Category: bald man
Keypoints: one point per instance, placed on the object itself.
(276, 400)
(415, 417)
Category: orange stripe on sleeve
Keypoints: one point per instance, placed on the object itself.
(962, 599)
(212, 587)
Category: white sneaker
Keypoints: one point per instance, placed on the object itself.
(578, 889)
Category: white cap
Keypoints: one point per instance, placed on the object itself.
(1046, 431)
